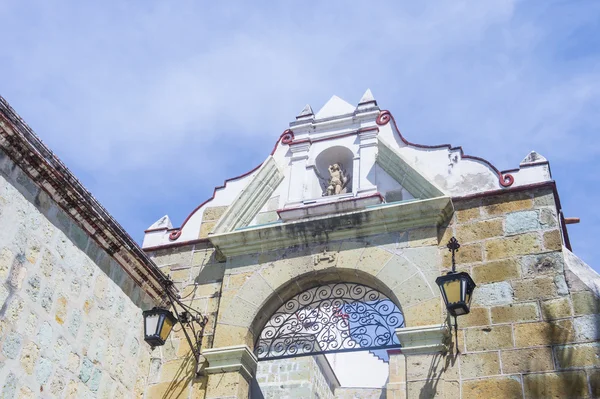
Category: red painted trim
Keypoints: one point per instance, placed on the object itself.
(157, 229)
(505, 179)
(287, 137)
(394, 351)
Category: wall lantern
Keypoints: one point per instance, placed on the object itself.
(158, 322)
(457, 288)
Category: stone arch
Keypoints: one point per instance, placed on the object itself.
(311, 280)
(406, 275)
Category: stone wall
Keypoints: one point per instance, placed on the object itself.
(303, 377)
(533, 329)
(71, 323)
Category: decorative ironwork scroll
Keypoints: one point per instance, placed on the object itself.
(331, 318)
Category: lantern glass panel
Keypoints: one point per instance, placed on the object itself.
(166, 328)
(152, 324)
(452, 289)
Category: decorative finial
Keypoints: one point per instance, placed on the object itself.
(453, 246)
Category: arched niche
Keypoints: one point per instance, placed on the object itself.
(342, 156)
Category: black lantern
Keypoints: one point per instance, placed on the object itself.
(158, 324)
(457, 290)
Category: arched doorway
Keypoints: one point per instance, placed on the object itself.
(305, 344)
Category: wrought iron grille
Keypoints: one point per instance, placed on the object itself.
(338, 317)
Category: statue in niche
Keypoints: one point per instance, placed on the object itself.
(338, 180)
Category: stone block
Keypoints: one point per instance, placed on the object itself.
(494, 294)
(587, 328)
(477, 317)
(536, 288)
(526, 360)
(12, 345)
(549, 263)
(29, 357)
(517, 312)
(522, 222)
(556, 308)
(468, 253)
(497, 387)
(568, 384)
(206, 228)
(176, 370)
(350, 253)
(61, 310)
(373, 259)
(6, 261)
(203, 257)
(424, 314)
(489, 338)
(480, 230)
(475, 365)
(172, 390)
(506, 203)
(548, 218)
(594, 378)
(585, 302)
(544, 333)
(522, 244)
(422, 237)
(492, 272)
(576, 356)
(397, 270)
(225, 385)
(256, 290)
(468, 214)
(414, 291)
(553, 240)
(213, 213)
(43, 370)
(180, 275)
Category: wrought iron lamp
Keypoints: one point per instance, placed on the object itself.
(158, 323)
(457, 288)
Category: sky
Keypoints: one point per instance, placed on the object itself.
(154, 103)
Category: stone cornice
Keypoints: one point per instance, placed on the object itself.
(252, 198)
(229, 359)
(27, 151)
(423, 339)
(378, 219)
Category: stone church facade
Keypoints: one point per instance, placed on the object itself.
(343, 204)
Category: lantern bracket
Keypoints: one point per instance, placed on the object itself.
(192, 322)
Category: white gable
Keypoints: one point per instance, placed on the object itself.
(335, 107)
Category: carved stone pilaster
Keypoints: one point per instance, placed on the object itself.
(229, 359)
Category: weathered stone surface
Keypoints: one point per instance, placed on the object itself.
(549, 263)
(489, 338)
(537, 288)
(585, 302)
(517, 312)
(553, 240)
(468, 253)
(576, 356)
(522, 244)
(479, 230)
(556, 308)
(493, 272)
(29, 357)
(526, 360)
(568, 384)
(594, 378)
(424, 313)
(12, 345)
(493, 294)
(466, 212)
(477, 317)
(522, 222)
(497, 387)
(475, 365)
(544, 333)
(506, 203)
(586, 328)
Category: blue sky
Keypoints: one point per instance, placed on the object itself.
(153, 103)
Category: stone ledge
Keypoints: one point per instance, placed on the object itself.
(229, 359)
(423, 339)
